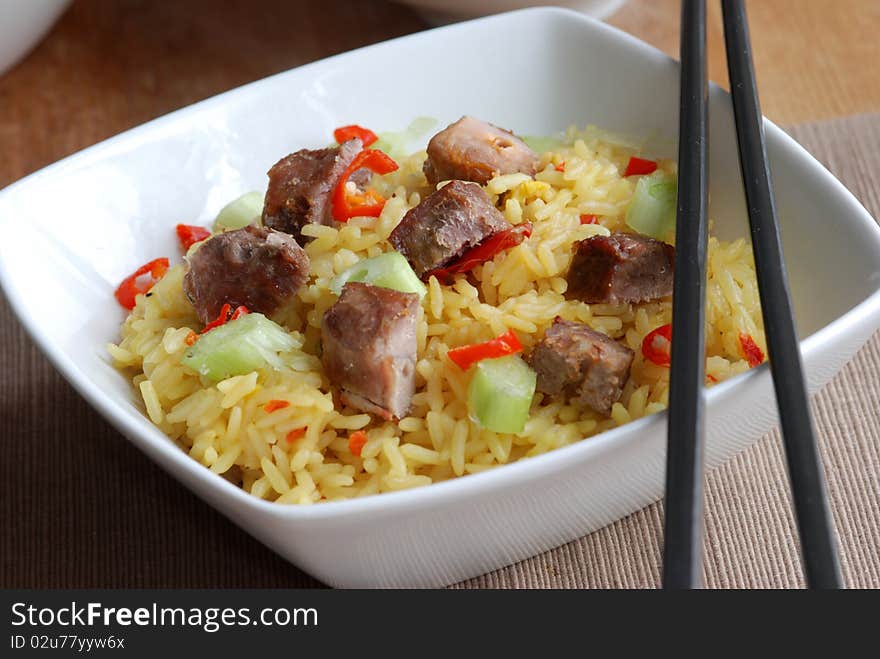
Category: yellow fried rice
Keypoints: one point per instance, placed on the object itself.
(225, 427)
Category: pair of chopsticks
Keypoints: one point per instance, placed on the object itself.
(684, 467)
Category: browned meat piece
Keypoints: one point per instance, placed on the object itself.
(446, 223)
(255, 267)
(369, 348)
(580, 363)
(473, 150)
(621, 267)
(300, 186)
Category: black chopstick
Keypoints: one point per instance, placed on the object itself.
(682, 551)
(804, 469)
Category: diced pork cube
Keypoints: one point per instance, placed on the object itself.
(581, 363)
(473, 150)
(301, 186)
(621, 267)
(259, 268)
(368, 339)
(445, 224)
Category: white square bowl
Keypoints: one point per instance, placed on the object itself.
(72, 231)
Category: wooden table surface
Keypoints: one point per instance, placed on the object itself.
(112, 64)
(814, 59)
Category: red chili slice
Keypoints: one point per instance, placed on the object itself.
(657, 345)
(221, 318)
(589, 219)
(485, 251)
(131, 287)
(560, 167)
(347, 206)
(356, 442)
(240, 311)
(750, 350)
(639, 167)
(275, 404)
(226, 314)
(345, 133)
(295, 434)
(466, 356)
(189, 235)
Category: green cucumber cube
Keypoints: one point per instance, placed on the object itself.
(240, 212)
(388, 270)
(653, 207)
(500, 393)
(239, 347)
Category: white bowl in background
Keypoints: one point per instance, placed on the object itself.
(444, 11)
(23, 23)
(535, 71)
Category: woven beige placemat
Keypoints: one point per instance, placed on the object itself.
(82, 508)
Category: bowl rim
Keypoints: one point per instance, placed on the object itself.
(139, 430)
